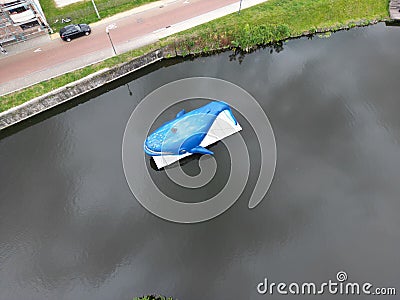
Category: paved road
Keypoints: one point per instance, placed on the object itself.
(134, 29)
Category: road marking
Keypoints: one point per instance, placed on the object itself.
(112, 26)
(37, 50)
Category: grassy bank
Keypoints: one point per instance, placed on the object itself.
(278, 20)
(83, 12)
(272, 21)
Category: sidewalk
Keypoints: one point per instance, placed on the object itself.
(135, 28)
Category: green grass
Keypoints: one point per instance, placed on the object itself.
(277, 20)
(272, 21)
(83, 12)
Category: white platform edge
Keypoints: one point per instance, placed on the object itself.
(222, 127)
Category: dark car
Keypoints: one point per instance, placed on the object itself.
(70, 32)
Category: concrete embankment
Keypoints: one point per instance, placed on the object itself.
(75, 89)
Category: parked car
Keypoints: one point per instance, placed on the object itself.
(72, 31)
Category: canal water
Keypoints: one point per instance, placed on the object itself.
(70, 227)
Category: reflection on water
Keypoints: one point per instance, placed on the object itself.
(71, 229)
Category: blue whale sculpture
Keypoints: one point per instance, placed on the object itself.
(185, 133)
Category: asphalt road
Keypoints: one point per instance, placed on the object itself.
(56, 57)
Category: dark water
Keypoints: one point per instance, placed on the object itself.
(71, 229)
